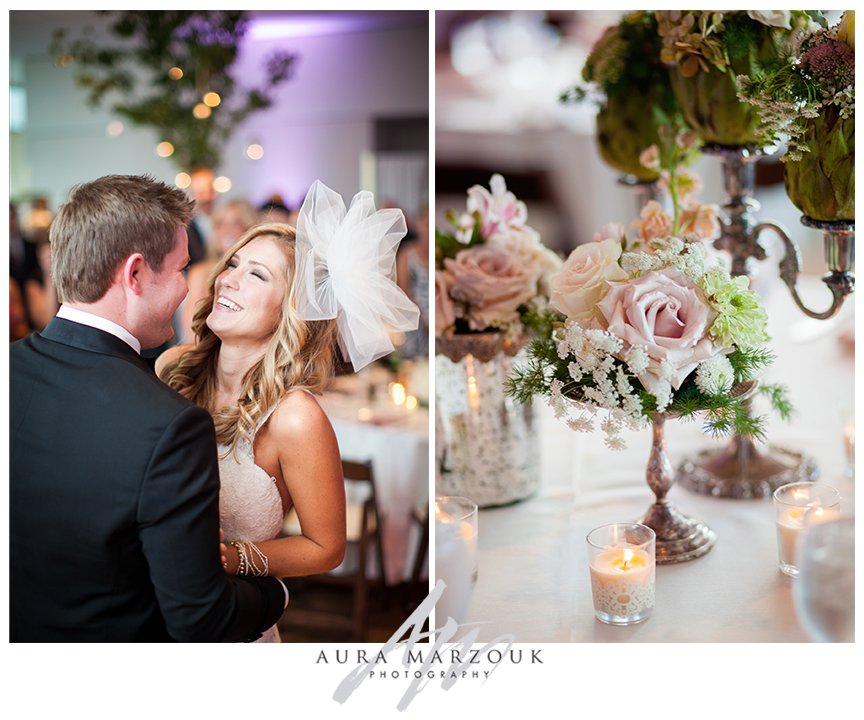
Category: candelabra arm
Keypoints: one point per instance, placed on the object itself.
(840, 283)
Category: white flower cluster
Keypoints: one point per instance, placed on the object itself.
(594, 360)
(715, 376)
(685, 256)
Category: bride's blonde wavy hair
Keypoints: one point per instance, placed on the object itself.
(299, 355)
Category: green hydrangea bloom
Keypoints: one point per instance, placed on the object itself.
(741, 318)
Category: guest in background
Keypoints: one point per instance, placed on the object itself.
(38, 220)
(275, 210)
(412, 274)
(230, 220)
(19, 326)
(201, 227)
(23, 260)
(32, 299)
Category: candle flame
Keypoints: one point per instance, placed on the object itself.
(628, 556)
(442, 515)
(471, 381)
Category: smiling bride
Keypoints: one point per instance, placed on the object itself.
(278, 303)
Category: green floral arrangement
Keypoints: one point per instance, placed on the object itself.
(639, 323)
(624, 76)
(708, 49)
(808, 98)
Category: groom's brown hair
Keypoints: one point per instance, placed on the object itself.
(107, 220)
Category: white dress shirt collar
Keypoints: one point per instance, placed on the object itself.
(83, 317)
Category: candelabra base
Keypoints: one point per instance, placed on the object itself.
(743, 470)
(679, 538)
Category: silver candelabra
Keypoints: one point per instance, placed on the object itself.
(742, 469)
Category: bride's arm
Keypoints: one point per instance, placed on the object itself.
(311, 467)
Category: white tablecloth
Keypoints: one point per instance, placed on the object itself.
(397, 443)
(533, 577)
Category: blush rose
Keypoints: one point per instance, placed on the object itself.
(492, 284)
(584, 279)
(667, 315)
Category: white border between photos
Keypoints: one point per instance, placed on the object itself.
(580, 680)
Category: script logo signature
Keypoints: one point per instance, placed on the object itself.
(460, 654)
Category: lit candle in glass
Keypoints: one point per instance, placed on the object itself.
(621, 563)
(455, 554)
(473, 391)
(796, 506)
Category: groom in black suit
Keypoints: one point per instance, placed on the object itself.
(114, 521)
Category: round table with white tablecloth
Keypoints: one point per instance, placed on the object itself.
(395, 439)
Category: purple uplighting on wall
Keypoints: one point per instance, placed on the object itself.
(300, 24)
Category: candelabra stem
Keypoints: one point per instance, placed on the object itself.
(678, 537)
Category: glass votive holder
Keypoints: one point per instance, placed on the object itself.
(796, 505)
(824, 592)
(459, 515)
(621, 563)
(455, 554)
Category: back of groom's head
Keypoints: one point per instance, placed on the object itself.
(106, 221)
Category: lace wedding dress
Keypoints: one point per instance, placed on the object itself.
(250, 507)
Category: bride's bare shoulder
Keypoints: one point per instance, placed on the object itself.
(299, 414)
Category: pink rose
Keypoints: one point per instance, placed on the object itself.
(611, 230)
(445, 315)
(666, 314)
(584, 279)
(524, 243)
(700, 219)
(654, 222)
(492, 284)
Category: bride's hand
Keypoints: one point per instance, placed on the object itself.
(229, 556)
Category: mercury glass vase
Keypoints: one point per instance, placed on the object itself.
(488, 447)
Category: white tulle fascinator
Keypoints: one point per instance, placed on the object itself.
(346, 269)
